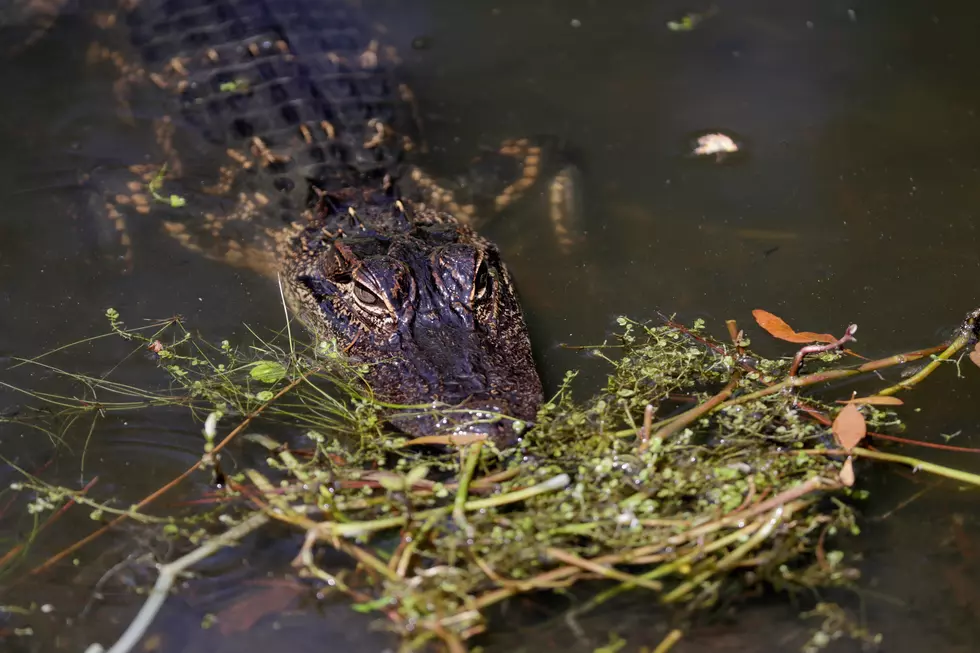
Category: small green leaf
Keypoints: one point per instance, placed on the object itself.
(236, 85)
(392, 483)
(416, 474)
(265, 395)
(371, 606)
(268, 372)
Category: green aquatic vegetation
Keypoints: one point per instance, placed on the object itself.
(156, 185)
(236, 86)
(699, 467)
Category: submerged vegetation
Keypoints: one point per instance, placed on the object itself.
(700, 470)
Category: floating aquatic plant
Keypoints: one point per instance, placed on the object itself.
(699, 466)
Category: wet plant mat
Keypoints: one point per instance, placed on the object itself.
(700, 470)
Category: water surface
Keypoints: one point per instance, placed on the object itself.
(855, 201)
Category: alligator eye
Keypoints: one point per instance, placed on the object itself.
(364, 295)
(481, 283)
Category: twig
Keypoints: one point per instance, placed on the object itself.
(401, 568)
(452, 641)
(801, 381)
(915, 463)
(961, 341)
(368, 560)
(691, 415)
(736, 337)
(557, 482)
(471, 456)
(602, 570)
(329, 530)
(832, 375)
(168, 575)
(732, 558)
(812, 484)
(920, 443)
(904, 502)
(816, 349)
(644, 434)
(289, 330)
(668, 567)
(668, 642)
(569, 573)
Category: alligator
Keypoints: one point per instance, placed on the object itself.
(371, 253)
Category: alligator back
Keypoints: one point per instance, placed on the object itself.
(298, 92)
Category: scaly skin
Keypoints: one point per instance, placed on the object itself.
(301, 98)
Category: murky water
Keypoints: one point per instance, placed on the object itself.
(856, 200)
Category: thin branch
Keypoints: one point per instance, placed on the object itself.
(168, 576)
(961, 341)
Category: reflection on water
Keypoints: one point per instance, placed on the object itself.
(855, 201)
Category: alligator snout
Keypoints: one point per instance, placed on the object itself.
(460, 380)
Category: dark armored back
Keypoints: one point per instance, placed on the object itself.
(303, 85)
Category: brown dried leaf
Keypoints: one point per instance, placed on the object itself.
(241, 616)
(975, 355)
(777, 328)
(876, 400)
(849, 427)
(847, 473)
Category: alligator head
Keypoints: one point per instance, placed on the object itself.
(427, 303)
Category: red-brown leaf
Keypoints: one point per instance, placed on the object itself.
(847, 473)
(975, 355)
(849, 427)
(241, 616)
(876, 400)
(777, 328)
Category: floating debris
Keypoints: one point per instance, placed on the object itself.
(690, 21)
(716, 144)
